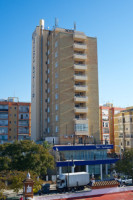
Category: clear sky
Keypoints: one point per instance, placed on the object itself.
(111, 21)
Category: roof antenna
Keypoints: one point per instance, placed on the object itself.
(56, 22)
(74, 26)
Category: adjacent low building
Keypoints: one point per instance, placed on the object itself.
(123, 130)
(90, 158)
(15, 120)
(106, 122)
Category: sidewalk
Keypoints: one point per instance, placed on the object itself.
(85, 194)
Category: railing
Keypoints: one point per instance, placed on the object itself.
(84, 108)
(23, 124)
(81, 97)
(23, 132)
(80, 56)
(24, 118)
(79, 36)
(79, 46)
(81, 118)
(80, 77)
(3, 116)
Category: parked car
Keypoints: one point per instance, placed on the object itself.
(127, 181)
(45, 189)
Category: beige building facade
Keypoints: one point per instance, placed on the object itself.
(65, 102)
(123, 130)
(106, 122)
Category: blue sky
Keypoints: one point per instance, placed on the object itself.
(111, 21)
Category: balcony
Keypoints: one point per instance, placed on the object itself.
(80, 67)
(81, 109)
(79, 56)
(23, 123)
(78, 77)
(3, 122)
(81, 133)
(81, 120)
(81, 88)
(23, 109)
(3, 116)
(79, 36)
(3, 107)
(80, 99)
(79, 46)
(23, 130)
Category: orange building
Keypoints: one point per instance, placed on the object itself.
(15, 120)
(106, 122)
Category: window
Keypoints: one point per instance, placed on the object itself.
(48, 62)
(48, 130)
(56, 75)
(56, 64)
(56, 44)
(56, 129)
(14, 115)
(48, 43)
(56, 86)
(48, 90)
(10, 122)
(48, 80)
(56, 118)
(48, 71)
(56, 106)
(81, 127)
(14, 122)
(48, 52)
(48, 120)
(14, 107)
(48, 99)
(128, 143)
(56, 54)
(56, 96)
(48, 109)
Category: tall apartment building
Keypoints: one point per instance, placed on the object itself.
(65, 103)
(123, 130)
(106, 122)
(15, 120)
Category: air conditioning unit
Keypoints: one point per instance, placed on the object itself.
(69, 143)
(65, 136)
(71, 136)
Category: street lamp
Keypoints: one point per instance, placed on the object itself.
(120, 150)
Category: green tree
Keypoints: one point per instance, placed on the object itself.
(25, 156)
(125, 165)
(15, 180)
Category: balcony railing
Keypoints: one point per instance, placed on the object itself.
(80, 67)
(3, 107)
(80, 56)
(81, 109)
(80, 46)
(3, 116)
(79, 36)
(79, 77)
(81, 133)
(81, 98)
(80, 88)
(23, 109)
(81, 120)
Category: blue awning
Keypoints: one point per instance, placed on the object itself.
(82, 147)
(85, 162)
